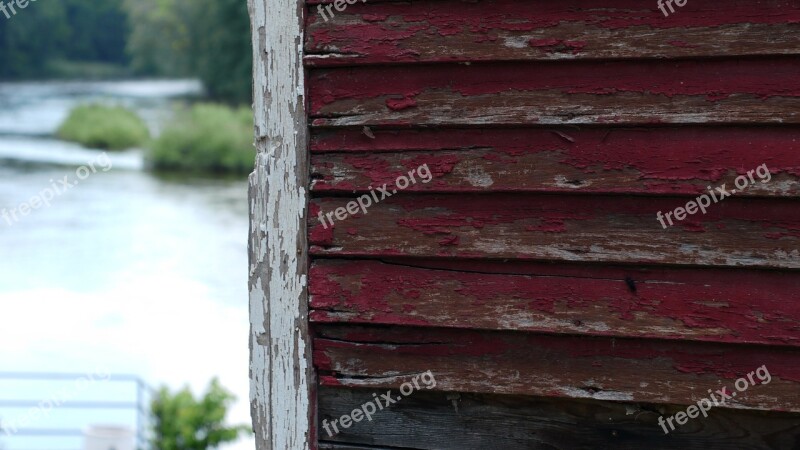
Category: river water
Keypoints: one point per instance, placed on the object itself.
(127, 272)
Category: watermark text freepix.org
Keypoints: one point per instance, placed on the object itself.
(340, 5)
(702, 202)
(704, 404)
(366, 200)
(378, 403)
(12, 5)
(661, 3)
(57, 188)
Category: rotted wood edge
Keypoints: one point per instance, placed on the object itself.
(281, 374)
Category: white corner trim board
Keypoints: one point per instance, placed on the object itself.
(281, 373)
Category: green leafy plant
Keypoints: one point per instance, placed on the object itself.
(205, 39)
(105, 127)
(183, 422)
(206, 138)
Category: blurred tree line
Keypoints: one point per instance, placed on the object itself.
(206, 39)
(76, 30)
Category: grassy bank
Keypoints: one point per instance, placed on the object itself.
(206, 138)
(84, 70)
(104, 127)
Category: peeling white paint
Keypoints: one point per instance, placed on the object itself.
(280, 368)
(563, 182)
(477, 177)
(516, 41)
(574, 392)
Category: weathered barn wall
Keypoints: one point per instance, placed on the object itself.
(531, 275)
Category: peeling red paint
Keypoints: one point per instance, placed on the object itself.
(558, 45)
(683, 44)
(373, 18)
(401, 104)
(528, 364)
(534, 255)
(543, 42)
(322, 236)
(450, 240)
(665, 78)
(595, 229)
(736, 307)
(549, 226)
(660, 160)
(396, 32)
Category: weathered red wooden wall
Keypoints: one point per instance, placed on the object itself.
(530, 276)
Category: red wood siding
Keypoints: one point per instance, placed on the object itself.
(641, 160)
(531, 272)
(382, 32)
(756, 307)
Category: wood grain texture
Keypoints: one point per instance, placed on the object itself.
(447, 421)
(755, 307)
(638, 370)
(531, 275)
(659, 161)
(281, 375)
(547, 93)
(335, 446)
(733, 233)
(503, 30)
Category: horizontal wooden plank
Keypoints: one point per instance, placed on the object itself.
(503, 30)
(547, 93)
(335, 446)
(711, 305)
(637, 370)
(458, 421)
(676, 160)
(734, 232)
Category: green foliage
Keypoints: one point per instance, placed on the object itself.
(24, 48)
(206, 138)
(98, 31)
(76, 30)
(224, 57)
(206, 39)
(183, 422)
(105, 127)
(209, 39)
(160, 42)
(66, 69)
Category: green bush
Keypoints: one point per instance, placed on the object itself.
(183, 422)
(105, 127)
(206, 138)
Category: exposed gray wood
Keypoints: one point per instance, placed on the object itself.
(735, 232)
(553, 107)
(448, 421)
(485, 170)
(336, 446)
(641, 92)
(612, 369)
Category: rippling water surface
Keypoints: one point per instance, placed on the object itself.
(126, 272)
